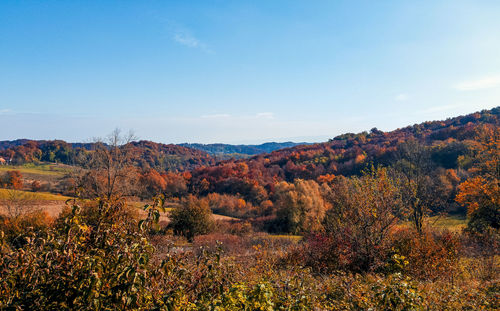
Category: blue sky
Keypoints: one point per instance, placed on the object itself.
(242, 71)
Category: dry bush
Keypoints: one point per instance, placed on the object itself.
(431, 255)
(14, 228)
(481, 254)
(236, 227)
(36, 186)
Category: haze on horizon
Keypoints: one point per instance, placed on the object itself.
(242, 72)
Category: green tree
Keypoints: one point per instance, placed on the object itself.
(191, 217)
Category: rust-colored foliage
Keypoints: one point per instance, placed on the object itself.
(481, 193)
(14, 180)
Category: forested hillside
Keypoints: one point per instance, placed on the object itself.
(146, 154)
(441, 150)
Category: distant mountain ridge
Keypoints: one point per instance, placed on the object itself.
(249, 150)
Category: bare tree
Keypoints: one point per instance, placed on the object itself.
(108, 169)
(411, 170)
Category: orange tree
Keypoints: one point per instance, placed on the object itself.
(481, 193)
(364, 209)
(13, 180)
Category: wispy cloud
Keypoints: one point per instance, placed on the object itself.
(401, 97)
(216, 116)
(186, 38)
(265, 115)
(479, 84)
(5, 111)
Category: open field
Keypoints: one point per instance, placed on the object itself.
(50, 173)
(51, 203)
(170, 206)
(58, 170)
(35, 196)
(454, 223)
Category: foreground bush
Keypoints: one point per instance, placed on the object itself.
(98, 258)
(78, 265)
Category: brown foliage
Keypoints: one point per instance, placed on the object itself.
(13, 180)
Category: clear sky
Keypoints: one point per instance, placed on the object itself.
(242, 71)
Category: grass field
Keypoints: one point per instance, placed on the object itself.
(454, 223)
(38, 196)
(49, 170)
(53, 204)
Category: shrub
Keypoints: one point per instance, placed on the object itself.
(397, 293)
(15, 228)
(84, 265)
(364, 209)
(191, 217)
(428, 256)
(36, 186)
(13, 180)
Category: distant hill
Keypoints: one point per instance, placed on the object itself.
(241, 151)
(147, 154)
(163, 157)
(6, 144)
(447, 143)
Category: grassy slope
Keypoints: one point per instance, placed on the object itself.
(40, 169)
(38, 196)
(454, 223)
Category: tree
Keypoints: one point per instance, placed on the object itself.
(13, 180)
(364, 209)
(191, 217)
(411, 169)
(151, 183)
(175, 184)
(300, 205)
(109, 171)
(481, 193)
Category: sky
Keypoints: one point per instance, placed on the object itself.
(242, 71)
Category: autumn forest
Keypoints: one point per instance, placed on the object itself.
(400, 220)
